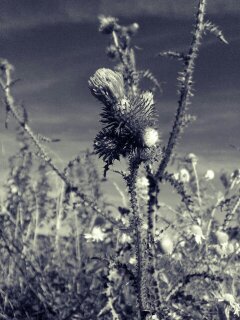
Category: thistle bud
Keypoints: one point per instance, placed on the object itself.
(192, 158)
(107, 86)
(133, 29)
(150, 137)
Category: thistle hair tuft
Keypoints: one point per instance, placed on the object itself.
(107, 86)
(150, 137)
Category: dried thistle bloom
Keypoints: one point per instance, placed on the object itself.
(107, 86)
(127, 121)
(150, 137)
(107, 24)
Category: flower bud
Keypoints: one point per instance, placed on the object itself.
(192, 158)
(133, 29)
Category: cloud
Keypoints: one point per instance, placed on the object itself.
(16, 15)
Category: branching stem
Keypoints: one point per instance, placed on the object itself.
(185, 88)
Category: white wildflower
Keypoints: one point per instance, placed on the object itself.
(133, 260)
(150, 137)
(196, 231)
(209, 175)
(95, 236)
(14, 189)
(184, 176)
(125, 238)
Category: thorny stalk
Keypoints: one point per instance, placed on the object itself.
(186, 81)
(136, 222)
(197, 183)
(6, 85)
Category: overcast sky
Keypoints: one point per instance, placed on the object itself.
(55, 47)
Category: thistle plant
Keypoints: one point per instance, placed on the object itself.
(136, 262)
(129, 131)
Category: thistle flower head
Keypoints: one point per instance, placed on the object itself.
(150, 137)
(107, 86)
(107, 24)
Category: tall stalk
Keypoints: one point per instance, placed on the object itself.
(136, 224)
